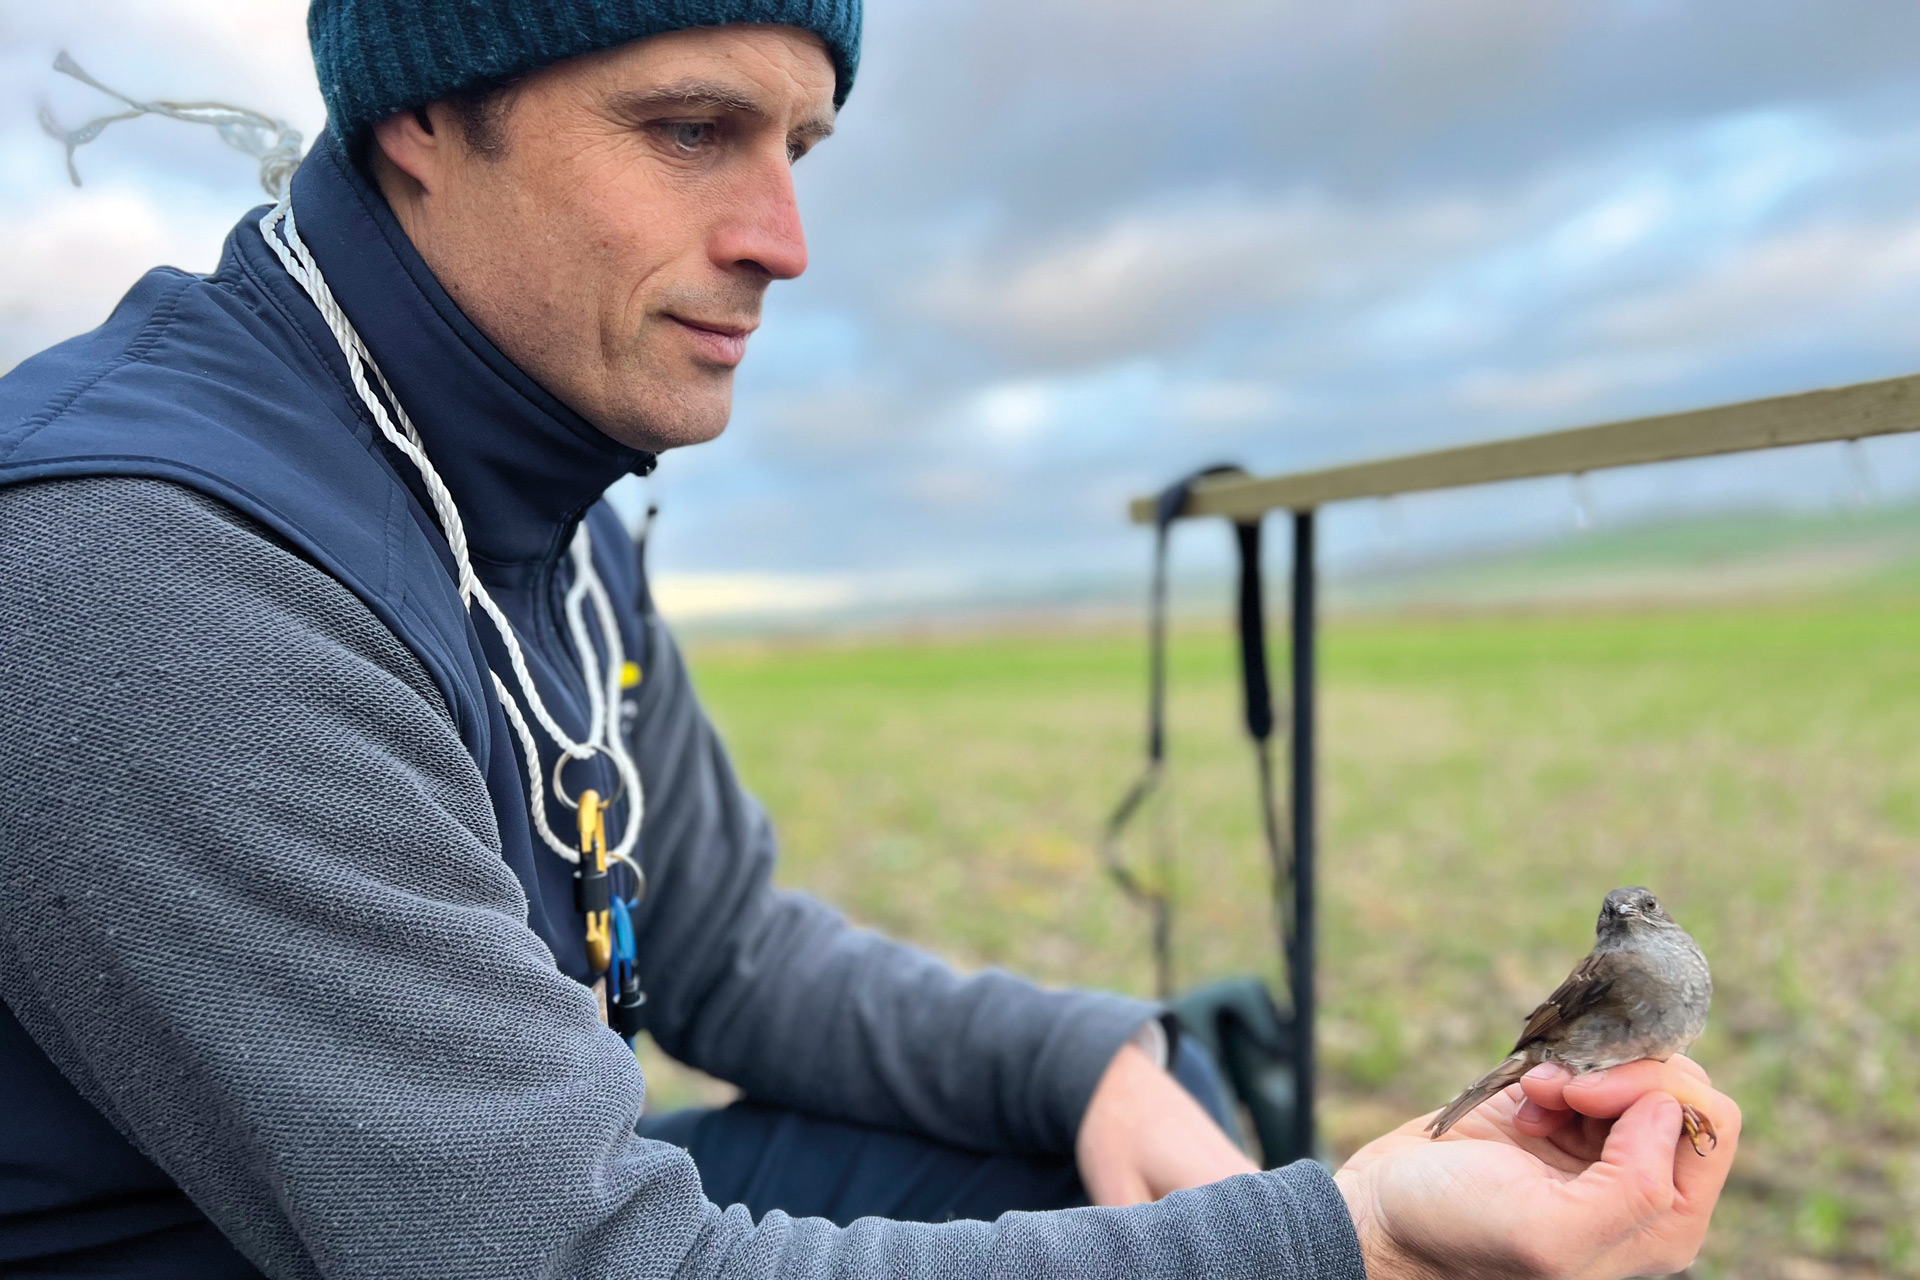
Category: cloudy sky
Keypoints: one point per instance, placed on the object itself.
(1065, 249)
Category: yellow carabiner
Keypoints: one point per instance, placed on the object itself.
(595, 889)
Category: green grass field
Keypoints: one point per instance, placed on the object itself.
(1487, 779)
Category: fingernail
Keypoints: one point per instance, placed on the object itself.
(1547, 1071)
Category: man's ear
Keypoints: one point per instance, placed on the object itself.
(414, 145)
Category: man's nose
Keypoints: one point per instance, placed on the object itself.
(765, 234)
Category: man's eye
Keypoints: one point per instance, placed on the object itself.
(689, 135)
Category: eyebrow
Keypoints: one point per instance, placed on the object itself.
(637, 103)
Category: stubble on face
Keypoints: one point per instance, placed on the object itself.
(619, 242)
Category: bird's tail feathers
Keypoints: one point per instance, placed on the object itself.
(1479, 1091)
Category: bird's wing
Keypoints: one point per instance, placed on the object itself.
(1584, 987)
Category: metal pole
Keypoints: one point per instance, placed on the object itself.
(1300, 963)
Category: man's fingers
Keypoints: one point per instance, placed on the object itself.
(1639, 1154)
(1609, 1093)
(1699, 1178)
(1546, 1084)
(1537, 1121)
(1613, 1090)
(1692, 1068)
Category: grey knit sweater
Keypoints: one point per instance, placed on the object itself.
(252, 906)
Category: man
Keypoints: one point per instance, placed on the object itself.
(295, 961)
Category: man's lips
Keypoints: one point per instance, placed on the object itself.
(720, 343)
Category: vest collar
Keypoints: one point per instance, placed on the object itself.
(522, 467)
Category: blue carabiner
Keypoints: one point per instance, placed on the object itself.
(624, 996)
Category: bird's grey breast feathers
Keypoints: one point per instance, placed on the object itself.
(1656, 1005)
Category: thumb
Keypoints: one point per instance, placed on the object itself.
(1636, 1166)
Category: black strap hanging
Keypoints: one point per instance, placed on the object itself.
(1257, 706)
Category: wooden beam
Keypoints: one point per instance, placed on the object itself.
(1842, 413)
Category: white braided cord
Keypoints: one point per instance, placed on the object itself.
(273, 143)
(536, 788)
(604, 735)
(277, 147)
(576, 614)
(606, 704)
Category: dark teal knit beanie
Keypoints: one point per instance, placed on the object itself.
(377, 57)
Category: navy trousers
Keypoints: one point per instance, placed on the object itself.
(769, 1158)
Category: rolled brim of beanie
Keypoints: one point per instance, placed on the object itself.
(379, 57)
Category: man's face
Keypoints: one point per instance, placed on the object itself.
(618, 242)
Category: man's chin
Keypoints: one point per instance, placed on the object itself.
(657, 424)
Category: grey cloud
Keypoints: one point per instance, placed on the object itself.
(1045, 110)
(1167, 276)
(1064, 249)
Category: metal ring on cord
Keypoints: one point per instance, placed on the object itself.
(559, 766)
(278, 229)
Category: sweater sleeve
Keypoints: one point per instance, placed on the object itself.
(252, 905)
(777, 993)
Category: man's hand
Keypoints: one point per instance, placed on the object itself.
(1144, 1136)
(1582, 1178)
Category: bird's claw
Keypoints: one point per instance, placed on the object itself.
(1696, 1126)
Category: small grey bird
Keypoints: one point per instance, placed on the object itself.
(1643, 992)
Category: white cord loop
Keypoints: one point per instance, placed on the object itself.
(603, 691)
(274, 143)
(277, 146)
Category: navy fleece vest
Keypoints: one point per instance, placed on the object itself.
(230, 384)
